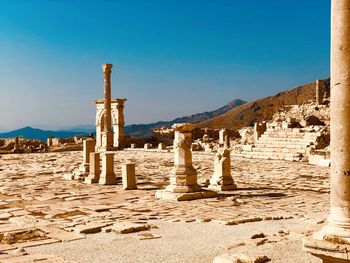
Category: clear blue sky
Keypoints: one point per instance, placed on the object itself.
(171, 58)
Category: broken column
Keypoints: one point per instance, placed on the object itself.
(332, 243)
(88, 147)
(320, 89)
(183, 178)
(107, 134)
(107, 176)
(222, 134)
(49, 142)
(222, 179)
(129, 176)
(95, 170)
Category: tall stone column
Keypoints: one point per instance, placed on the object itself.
(339, 219)
(183, 178)
(107, 134)
(326, 243)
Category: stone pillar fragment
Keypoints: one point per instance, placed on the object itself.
(88, 147)
(222, 134)
(49, 141)
(107, 134)
(129, 176)
(332, 243)
(107, 176)
(183, 177)
(161, 146)
(222, 179)
(320, 89)
(95, 170)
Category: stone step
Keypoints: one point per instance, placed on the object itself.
(294, 136)
(271, 156)
(284, 145)
(264, 137)
(283, 142)
(282, 150)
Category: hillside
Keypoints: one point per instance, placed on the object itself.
(262, 109)
(145, 130)
(42, 135)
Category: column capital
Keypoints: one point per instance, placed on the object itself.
(107, 68)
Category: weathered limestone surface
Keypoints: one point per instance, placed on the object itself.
(222, 179)
(332, 243)
(107, 176)
(128, 176)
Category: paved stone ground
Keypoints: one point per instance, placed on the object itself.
(37, 206)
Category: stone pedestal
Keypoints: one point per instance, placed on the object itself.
(88, 147)
(129, 176)
(107, 176)
(222, 179)
(95, 171)
(183, 177)
(328, 243)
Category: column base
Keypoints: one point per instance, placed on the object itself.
(166, 195)
(77, 176)
(106, 149)
(110, 179)
(91, 180)
(84, 168)
(329, 250)
(228, 187)
(183, 188)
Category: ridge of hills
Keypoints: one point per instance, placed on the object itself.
(263, 109)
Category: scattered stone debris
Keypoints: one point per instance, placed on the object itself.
(127, 228)
(240, 258)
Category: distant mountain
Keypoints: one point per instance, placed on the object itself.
(145, 130)
(134, 130)
(263, 109)
(42, 135)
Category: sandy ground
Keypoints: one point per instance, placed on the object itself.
(185, 242)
